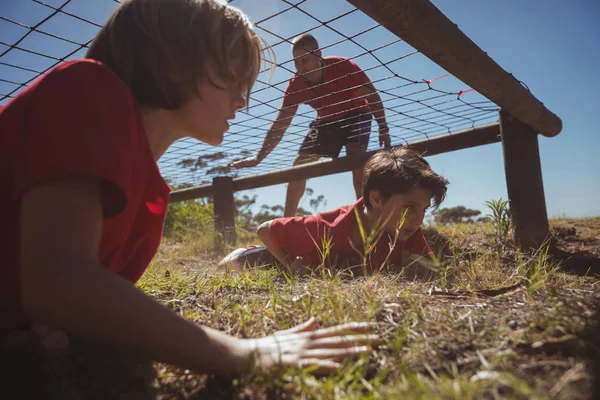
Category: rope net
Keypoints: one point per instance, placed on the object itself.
(420, 99)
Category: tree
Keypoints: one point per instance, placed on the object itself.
(187, 163)
(202, 162)
(220, 169)
(316, 202)
(455, 215)
(302, 212)
(243, 206)
(213, 157)
(267, 213)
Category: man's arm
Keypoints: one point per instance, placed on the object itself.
(369, 92)
(274, 135)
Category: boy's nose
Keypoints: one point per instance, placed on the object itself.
(239, 102)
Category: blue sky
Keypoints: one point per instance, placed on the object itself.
(551, 46)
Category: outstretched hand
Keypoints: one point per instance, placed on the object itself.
(306, 346)
(246, 162)
(384, 137)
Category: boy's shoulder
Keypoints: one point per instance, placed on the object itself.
(341, 219)
(84, 69)
(78, 79)
(340, 215)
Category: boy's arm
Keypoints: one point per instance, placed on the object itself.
(295, 239)
(264, 234)
(63, 285)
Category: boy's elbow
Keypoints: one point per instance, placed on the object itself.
(263, 231)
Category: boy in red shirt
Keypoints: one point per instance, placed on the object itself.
(345, 101)
(84, 201)
(398, 188)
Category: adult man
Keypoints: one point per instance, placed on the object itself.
(345, 101)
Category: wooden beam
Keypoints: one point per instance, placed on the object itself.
(482, 135)
(524, 182)
(428, 30)
(224, 208)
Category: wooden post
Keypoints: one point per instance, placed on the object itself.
(524, 182)
(224, 211)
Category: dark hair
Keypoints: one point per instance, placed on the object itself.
(399, 170)
(305, 41)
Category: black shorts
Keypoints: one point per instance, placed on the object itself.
(326, 138)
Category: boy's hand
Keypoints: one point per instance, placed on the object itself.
(297, 265)
(306, 346)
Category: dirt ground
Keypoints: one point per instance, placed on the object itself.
(499, 326)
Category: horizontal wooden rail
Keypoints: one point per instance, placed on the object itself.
(485, 134)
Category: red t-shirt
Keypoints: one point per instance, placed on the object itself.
(304, 237)
(80, 120)
(336, 96)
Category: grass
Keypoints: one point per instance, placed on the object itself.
(500, 324)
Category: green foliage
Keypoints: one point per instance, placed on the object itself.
(371, 238)
(188, 217)
(500, 219)
(537, 268)
(196, 216)
(243, 206)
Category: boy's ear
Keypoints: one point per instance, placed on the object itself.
(375, 199)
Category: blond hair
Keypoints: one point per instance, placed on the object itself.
(161, 48)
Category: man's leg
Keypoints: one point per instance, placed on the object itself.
(357, 174)
(295, 189)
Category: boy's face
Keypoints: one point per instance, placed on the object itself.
(206, 115)
(406, 211)
(308, 64)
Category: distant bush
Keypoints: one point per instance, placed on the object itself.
(196, 216)
(188, 217)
